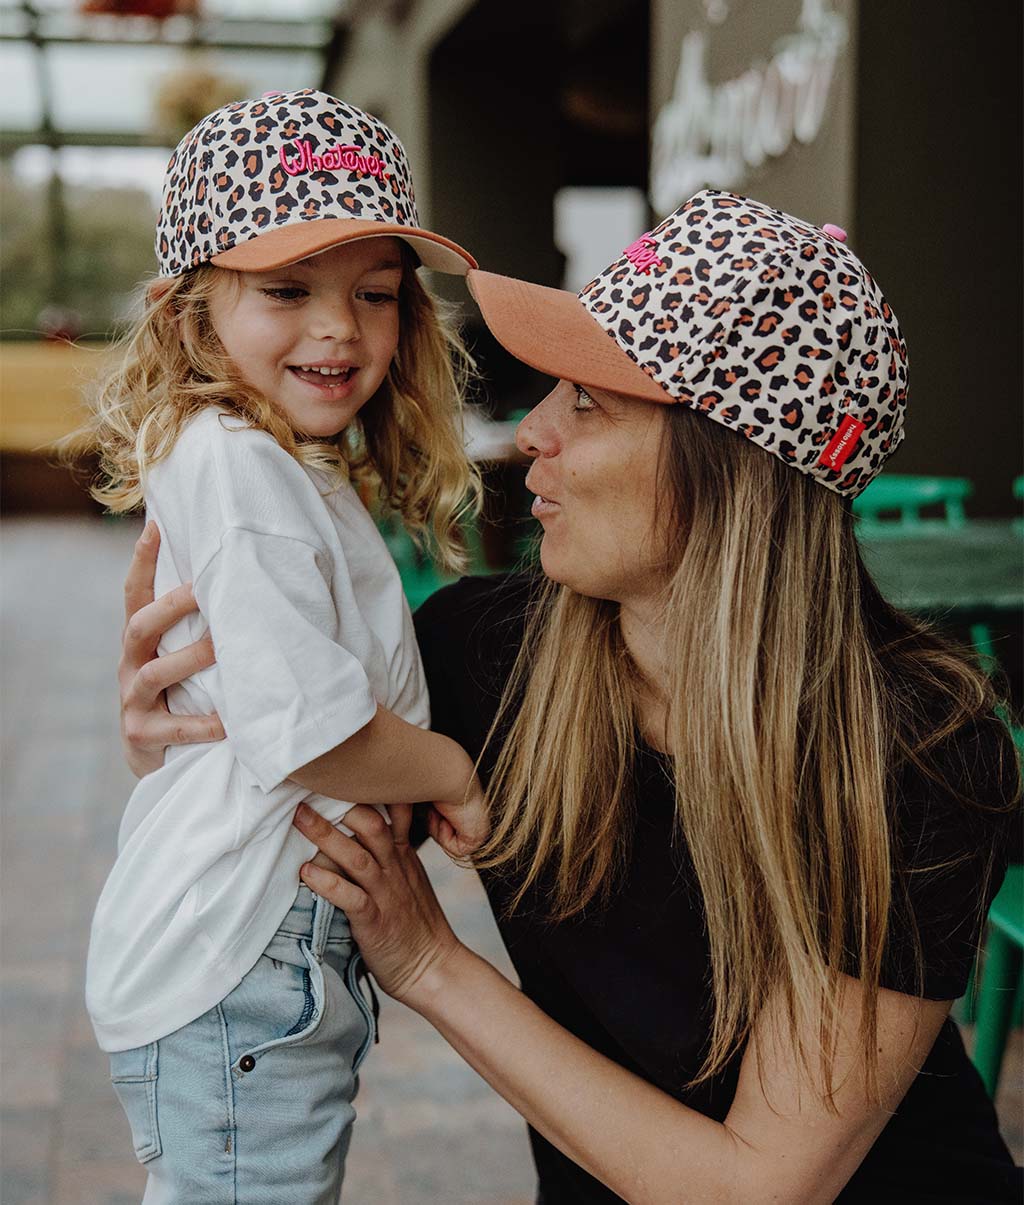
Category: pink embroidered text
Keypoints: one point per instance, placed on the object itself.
(642, 256)
(334, 158)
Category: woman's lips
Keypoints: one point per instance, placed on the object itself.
(543, 507)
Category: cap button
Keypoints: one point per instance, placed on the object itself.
(836, 232)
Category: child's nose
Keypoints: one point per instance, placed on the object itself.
(335, 319)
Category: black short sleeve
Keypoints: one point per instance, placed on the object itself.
(469, 635)
(952, 840)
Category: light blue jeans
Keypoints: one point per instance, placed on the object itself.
(251, 1103)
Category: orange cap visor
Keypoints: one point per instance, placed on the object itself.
(298, 240)
(551, 330)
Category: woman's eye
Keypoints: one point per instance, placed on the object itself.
(375, 298)
(284, 294)
(583, 399)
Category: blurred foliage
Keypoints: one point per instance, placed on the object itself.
(185, 96)
(109, 238)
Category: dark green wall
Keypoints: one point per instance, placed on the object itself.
(938, 219)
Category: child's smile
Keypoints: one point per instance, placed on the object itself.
(329, 377)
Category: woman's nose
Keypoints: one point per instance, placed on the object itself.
(524, 436)
(536, 434)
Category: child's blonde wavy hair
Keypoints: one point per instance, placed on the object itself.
(405, 446)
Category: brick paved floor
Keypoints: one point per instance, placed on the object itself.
(429, 1130)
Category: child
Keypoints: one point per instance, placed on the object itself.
(287, 352)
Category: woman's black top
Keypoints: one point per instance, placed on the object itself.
(631, 979)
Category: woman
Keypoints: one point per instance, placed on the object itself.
(747, 819)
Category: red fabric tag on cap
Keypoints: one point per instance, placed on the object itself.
(842, 443)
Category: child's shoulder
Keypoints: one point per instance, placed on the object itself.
(217, 444)
(225, 473)
(216, 433)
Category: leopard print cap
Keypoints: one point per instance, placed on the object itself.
(255, 166)
(768, 325)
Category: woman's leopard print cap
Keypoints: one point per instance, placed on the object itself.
(761, 321)
(262, 183)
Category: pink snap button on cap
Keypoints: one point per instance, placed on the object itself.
(836, 232)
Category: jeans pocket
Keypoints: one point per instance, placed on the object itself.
(133, 1074)
(278, 1003)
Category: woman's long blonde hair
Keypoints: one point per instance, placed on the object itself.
(405, 446)
(787, 716)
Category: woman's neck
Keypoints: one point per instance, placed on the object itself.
(642, 623)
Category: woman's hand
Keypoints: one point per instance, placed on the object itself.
(147, 727)
(385, 893)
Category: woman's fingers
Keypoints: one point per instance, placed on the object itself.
(154, 677)
(321, 859)
(373, 831)
(352, 900)
(156, 728)
(147, 726)
(401, 822)
(353, 859)
(145, 627)
(138, 585)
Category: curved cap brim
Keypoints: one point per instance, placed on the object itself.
(286, 244)
(551, 330)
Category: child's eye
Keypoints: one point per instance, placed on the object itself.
(377, 298)
(284, 294)
(584, 401)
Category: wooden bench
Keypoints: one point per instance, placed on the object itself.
(41, 399)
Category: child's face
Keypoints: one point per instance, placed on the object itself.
(336, 310)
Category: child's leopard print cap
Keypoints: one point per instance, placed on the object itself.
(259, 184)
(763, 322)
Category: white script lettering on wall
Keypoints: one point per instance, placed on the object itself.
(711, 134)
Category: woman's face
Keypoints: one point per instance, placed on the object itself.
(595, 474)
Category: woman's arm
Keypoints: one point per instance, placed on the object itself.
(640, 1142)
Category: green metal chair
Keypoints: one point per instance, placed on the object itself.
(420, 576)
(892, 504)
(1001, 978)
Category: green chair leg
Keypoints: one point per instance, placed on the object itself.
(999, 983)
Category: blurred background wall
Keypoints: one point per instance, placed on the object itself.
(538, 130)
(544, 136)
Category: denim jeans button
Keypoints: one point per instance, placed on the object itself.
(246, 1062)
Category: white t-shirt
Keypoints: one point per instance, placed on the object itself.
(311, 630)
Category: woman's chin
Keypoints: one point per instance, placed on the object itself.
(561, 569)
